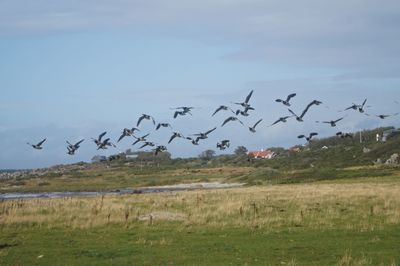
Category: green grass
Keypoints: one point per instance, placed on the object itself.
(334, 222)
(164, 245)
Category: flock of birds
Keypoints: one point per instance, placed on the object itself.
(243, 109)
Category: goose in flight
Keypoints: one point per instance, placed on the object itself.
(342, 135)
(98, 140)
(70, 151)
(204, 135)
(361, 107)
(245, 111)
(163, 125)
(175, 135)
(309, 137)
(103, 145)
(37, 146)
(332, 122)
(223, 144)
(127, 132)
(195, 141)
(73, 147)
(246, 101)
(159, 149)
(142, 138)
(253, 128)
(222, 108)
(281, 119)
(286, 102)
(300, 118)
(147, 143)
(231, 118)
(183, 110)
(384, 116)
(147, 117)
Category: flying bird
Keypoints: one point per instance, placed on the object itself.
(332, 122)
(142, 138)
(106, 143)
(223, 144)
(203, 135)
(163, 125)
(300, 118)
(127, 132)
(159, 149)
(309, 137)
(147, 117)
(195, 141)
(182, 111)
(281, 119)
(244, 112)
(147, 143)
(98, 140)
(384, 116)
(175, 135)
(342, 135)
(253, 128)
(246, 101)
(37, 146)
(361, 107)
(73, 147)
(222, 108)
(286, 102)
(231, 118)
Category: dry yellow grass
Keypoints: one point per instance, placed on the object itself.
(359, 206)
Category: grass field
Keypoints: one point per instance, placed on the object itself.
(322, 223)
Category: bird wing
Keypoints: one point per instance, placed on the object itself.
(301, 136)
(248, 97)
(152, 119)
(292, 112)
(172, 137)
(211, 130)
(144, 145)
(313, 134)
(338, 120)
(158, 126)
(121, 137)
(40, 143)
(227, 120)
(79, 142)
(278, 100)
(290, 96)
(362, 105)
(218, 109)
(140, 120)
(101, 135)
(258, 122)
(305, 110)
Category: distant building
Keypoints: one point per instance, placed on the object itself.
(263, 154)
(130, 157)
(99, 158)
(294, 149)
(389, 133)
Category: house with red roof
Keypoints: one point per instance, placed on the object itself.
(263, 154)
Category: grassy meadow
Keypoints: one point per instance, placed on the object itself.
(339, 222)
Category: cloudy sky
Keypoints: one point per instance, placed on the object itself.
(73, 69)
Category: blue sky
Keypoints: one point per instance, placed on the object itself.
(73, 69)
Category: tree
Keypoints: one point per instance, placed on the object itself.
(241, 150)
(207, 154)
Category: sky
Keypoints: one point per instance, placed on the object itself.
(70, 70)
